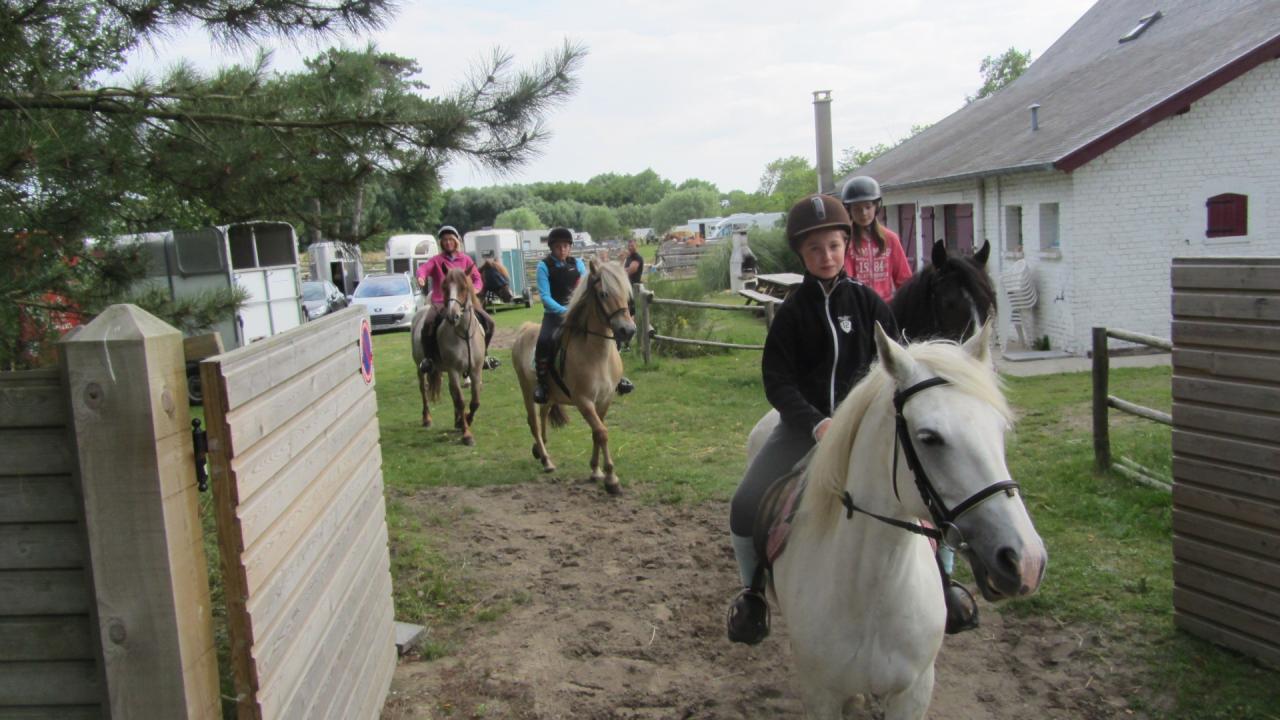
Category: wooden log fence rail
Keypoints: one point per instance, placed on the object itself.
(1103, 402)
(645, 299)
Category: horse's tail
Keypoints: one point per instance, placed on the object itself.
(557, 417)
(433, 385)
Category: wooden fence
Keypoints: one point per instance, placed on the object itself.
(676, 259)
(645, 300)
(104, 600)
(296, 466)
(1102, 402)
(1226, 451)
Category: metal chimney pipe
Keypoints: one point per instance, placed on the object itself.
(1035, 116)
(822, 130)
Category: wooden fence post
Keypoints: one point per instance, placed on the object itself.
(127, 383)
(643, 302)
(1101, 366)
(770, 309)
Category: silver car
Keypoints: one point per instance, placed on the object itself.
(392, 300)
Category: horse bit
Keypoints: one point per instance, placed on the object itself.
(945, 530)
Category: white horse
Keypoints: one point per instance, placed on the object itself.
(862, 596)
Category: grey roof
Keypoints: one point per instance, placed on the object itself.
(1094, 92)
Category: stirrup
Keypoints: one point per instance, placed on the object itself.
(540, 393)
(962, 609)
(491, 362)
(624, 386)
(748, 618)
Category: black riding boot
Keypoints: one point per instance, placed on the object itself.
(430, 350)
(489, 328)
(748, 620)
(542, 368)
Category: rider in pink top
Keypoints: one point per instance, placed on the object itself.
(875, 257)
(434, 271)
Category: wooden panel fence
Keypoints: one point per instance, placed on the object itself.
(1226, 451)
(297, 468)
(104, 600)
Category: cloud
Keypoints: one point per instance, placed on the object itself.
(713, 90)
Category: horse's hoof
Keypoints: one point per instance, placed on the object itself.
(468, 440)
(612, 486)
(548, 467)
(426, 423)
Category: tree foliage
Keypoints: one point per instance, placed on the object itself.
(679, 206)
(521, 218)
(1001, 70)
(343, 147)
(602, 223)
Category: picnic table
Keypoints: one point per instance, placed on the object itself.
(778, 285)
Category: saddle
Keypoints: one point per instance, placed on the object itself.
(775, 515)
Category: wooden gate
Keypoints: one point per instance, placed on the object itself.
(1226, 451)
(297, 470)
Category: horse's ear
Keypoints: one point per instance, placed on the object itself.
(893, 357)
(593, 268)
(979, 344)
(983, 253)
(939, 253)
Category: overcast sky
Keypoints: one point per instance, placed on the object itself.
(713, 90)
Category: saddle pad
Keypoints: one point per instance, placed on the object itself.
(775, 515)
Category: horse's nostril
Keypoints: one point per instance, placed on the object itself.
(1009, 561)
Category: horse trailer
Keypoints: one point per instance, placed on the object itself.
(406, 252)
(259, 257)
(337, 262)
(505, 245)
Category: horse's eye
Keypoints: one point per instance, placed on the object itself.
(930, 438)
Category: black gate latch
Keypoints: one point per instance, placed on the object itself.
(200, 443)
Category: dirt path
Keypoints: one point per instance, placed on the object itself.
(617, 612)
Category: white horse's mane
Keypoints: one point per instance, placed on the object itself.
(612, 278)
(829, 467)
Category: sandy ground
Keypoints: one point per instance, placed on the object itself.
(617, 611)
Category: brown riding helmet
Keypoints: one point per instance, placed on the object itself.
(815, 212)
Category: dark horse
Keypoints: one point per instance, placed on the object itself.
(950, 299)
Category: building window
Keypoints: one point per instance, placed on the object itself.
(1049, 226)
(1228, 215)
(1013, 228)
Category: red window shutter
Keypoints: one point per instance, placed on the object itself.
(1228, 215)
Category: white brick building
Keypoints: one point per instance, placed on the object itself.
(1166, 144)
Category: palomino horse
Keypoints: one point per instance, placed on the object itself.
(949, 300)
(922, 436)
(596, 322)
(460, 339)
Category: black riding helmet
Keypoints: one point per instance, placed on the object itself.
(815, 212)
(559, 234)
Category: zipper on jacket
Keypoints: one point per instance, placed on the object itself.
(835, 344)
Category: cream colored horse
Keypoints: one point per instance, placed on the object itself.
(460, 339)
(862, 597)
(597, 320)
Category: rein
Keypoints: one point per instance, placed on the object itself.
(607, 317)
(945, 530)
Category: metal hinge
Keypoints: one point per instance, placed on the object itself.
(200, 444)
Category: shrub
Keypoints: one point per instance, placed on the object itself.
(678, 321)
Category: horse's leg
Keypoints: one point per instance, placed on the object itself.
(422, 390)
(912, 703)
(599, 447)
(459, 408)
(540, 435)
(477, 383)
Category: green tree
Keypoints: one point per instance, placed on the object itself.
(521, 218)
(633, 216)
(81, 158)
(601, 222)
(680, 206)
(1001, 70)
(786, 180)
(853, 158)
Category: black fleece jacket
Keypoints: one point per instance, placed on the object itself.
(820, 345)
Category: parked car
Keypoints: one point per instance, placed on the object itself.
(392, 300)
(321, 297)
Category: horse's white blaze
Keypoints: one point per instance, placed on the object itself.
(862, 598)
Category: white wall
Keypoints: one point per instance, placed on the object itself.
(1143, 203)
